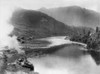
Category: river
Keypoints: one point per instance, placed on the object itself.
(67, 60)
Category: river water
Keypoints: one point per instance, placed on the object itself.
(67, 60)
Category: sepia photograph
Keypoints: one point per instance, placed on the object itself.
(49, 36)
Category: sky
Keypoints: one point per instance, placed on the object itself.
(36, 4)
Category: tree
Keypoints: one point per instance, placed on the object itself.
(97, 29)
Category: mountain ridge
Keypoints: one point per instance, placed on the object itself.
(32, 24)
(74, 16)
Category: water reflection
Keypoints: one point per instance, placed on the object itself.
(68, 60)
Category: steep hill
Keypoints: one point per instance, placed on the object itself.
(30, 23)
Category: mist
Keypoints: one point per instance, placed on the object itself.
(6, 28)
(37, 4)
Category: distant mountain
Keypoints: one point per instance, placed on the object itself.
(35, 24)
(74, 16)
(30, 23)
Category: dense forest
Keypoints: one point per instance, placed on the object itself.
(31, 24)
(92, 39)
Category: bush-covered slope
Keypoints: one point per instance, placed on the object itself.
(32, 24)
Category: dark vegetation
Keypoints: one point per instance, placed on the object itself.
(93, 42)
(30, 25)
(34, 24)
(20, 64)
(92, 39)
(96, 56)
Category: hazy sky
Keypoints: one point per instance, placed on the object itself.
(36, 4)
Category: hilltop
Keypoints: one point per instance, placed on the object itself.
(74, 16)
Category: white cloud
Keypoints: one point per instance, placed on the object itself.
(36, 4)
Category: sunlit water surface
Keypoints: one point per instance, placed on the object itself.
(68, 60)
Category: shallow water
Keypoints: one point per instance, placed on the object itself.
(68, 60)
(62, 63)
